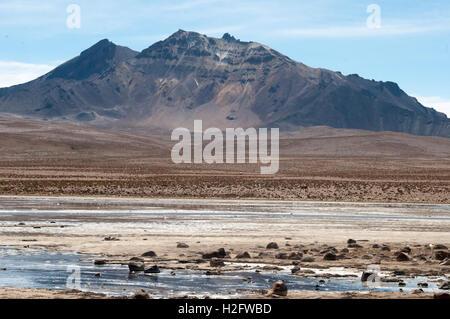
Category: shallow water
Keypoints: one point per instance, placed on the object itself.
(39, 268)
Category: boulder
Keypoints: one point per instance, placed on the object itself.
(182, 245)
(136, 259)
(406, 250)
(220, 253)
(386, 248)
(440, 247)
(278, 289)
(366, 275)
(295, 256)
(135, 266)
(329, 256)
(244, 255)
(402, 257)
(351, 241)
(354, 245)
(442, 295)
(281, 256)
(272, 245)
(149, 254)
(141, 294)
(100, 262)
(441, 255)
(153, 270)
(445, 285)
(216, 263)
(308, 260)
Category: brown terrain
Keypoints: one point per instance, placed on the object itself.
(319, 163)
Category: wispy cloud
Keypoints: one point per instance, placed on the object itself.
(438, 103)
(12, 73)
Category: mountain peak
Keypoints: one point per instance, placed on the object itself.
(93, 60)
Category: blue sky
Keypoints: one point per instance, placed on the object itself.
(411, 46)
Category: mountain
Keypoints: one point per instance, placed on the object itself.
(226, 82)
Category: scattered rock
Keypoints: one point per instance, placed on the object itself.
(441, 255)
(111, 238)
(278, 289)
(366, 275)
(216, 263)
(399, 273)
(138, 259)
(445, 285)
(220, 253)
(295, 270)
(402, 257)
(98, 275)
(354, 246)
(295, 256)
(153, 270)
(329, 256)
(440, 247)
(99, 262)
(402, 284)
(135, 266)
(406, 250)
(442, 295)
(244, 255)
(182, 245)
(272, 245)
(141, 294)
(149, 254)
(376, 246)
(386, 248)
(344, 250)
(417, 291)
(308, 260)
(281, 256)
(351, 241)
(422, 285)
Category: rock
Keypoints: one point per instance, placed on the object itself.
(399, 273)
(216, 263)
(440, 247)
(111, 238)
(278, 289)
(295, 256)
(417, 291)
(141, 294)
(135, 266)
(153, 270)
(367, 257)
(445, 262)
(402, 284)
(295, 270)
(351, 241)
(406, 250)
(442, 295)
(272, 245)
(365, 275)
(244, 255)
(344, 250)
(422, 285)
(329, 256)
(354, 246)
(182, 245)
(149, 254)
(100, 262)
(385, 248)
(308, 260)
(138, 259)
(445, 285)
(98, 275)
(220, 253)
(376, 246)
(281, 256)
(402, 257)
(441, 255)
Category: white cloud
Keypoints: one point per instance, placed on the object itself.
(438, 103)
(12, 73)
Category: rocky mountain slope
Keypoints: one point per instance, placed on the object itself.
(225, 82)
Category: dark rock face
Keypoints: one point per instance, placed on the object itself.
(272, 245)
(221, 81)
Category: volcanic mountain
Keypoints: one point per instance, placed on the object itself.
(225, 82)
